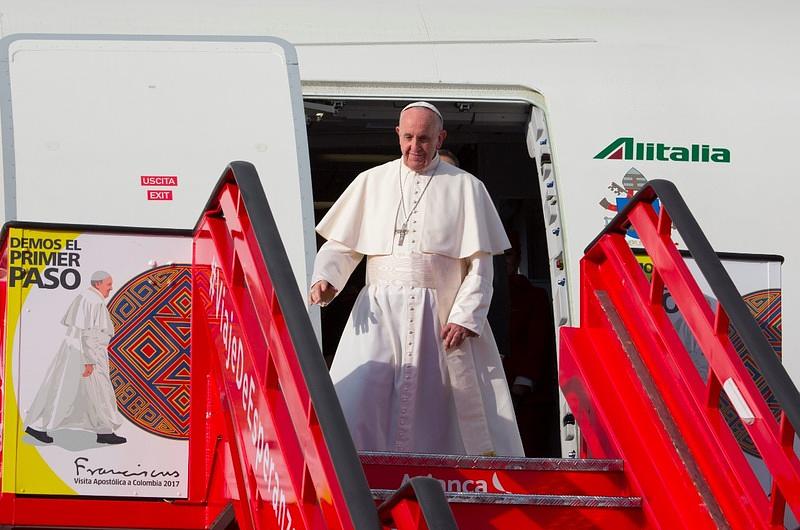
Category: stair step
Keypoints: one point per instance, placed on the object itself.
(573, 501)
(501, 511)
(490, 462)
(499, 475)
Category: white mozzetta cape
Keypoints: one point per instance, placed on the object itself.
(365, 216)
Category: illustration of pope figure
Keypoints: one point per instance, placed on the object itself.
(76, 392)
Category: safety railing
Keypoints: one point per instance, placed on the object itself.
(617, 298)
(294, 460)
(295, 463)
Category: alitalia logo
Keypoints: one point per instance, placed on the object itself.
(627, 148)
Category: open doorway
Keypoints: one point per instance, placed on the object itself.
(492, 141)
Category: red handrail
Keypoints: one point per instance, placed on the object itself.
(285, 476)
(691, 412)
(295, 465)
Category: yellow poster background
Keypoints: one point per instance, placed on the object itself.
(22, 460)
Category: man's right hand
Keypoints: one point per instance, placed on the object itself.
(321, 293)
(87, 370)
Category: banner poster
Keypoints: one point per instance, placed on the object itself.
(97, 363)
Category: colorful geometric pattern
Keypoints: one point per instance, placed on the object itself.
(765, 306)
(149, 353)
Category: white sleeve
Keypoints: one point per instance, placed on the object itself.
(472, 301)
(334, 264)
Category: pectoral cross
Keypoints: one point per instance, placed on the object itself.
(402, 231)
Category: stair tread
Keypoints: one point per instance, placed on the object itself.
(489, 462)
(588, 501)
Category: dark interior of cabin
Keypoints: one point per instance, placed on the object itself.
(348, 136)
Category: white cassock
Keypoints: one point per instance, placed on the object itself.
(399, 389)
(66, 399)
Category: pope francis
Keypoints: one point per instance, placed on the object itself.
(77, 392)
(417, 368)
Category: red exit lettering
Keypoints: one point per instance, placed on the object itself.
(159, 180)
(159, 195)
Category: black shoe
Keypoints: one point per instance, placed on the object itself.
(39, 435)
(110, 439)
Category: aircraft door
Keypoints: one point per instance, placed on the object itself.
(135, 130)
(538, 143)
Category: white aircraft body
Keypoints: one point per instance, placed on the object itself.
(563, 108)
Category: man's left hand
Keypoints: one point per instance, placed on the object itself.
(453, 335)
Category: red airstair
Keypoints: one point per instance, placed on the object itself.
(269, 447)
(636, 392)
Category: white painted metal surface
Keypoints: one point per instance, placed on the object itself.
(129, 131)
